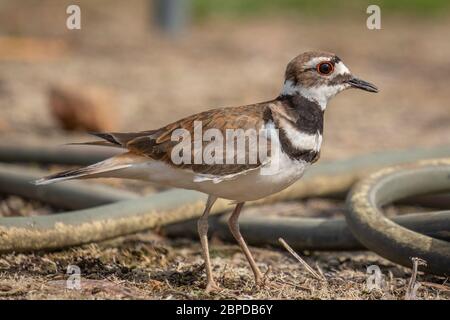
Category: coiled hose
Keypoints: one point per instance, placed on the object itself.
(102, 213)
(383, 236)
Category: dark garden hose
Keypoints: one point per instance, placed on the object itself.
(74, 195)
(129, 214)
(65, 154)
(383, 236)
(312, 234)
(301, 233)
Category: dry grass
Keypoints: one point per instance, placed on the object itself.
(146, 267)
(150, 266)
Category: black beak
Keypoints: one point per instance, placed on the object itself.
(361, 84)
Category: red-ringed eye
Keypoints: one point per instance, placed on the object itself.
(325, 68)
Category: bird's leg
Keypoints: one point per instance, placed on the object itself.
(202, 226)
(233, 223)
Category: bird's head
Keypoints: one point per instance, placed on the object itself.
(319, 76)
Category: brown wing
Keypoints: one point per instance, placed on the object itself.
(159, 144)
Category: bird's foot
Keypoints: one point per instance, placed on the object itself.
(262, 281)
(211, 287)
(266, 283)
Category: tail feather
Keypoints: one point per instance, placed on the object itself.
(106, 136)
(114, 139)
(93, 143)
(84, 172)
(122, 138)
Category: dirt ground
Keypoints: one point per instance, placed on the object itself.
(155, 80)
(150, 266)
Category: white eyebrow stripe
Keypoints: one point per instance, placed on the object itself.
(314, 61)
(340, 68)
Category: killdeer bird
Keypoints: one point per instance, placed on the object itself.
(292, 126)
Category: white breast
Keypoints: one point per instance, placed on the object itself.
(257, 184)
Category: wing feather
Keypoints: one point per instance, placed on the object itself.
(158, 144)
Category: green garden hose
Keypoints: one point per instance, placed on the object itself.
(103, 213)
(383, 236)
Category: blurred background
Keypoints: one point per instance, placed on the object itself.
(140, 64)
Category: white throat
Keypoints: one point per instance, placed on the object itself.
(320, 94)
